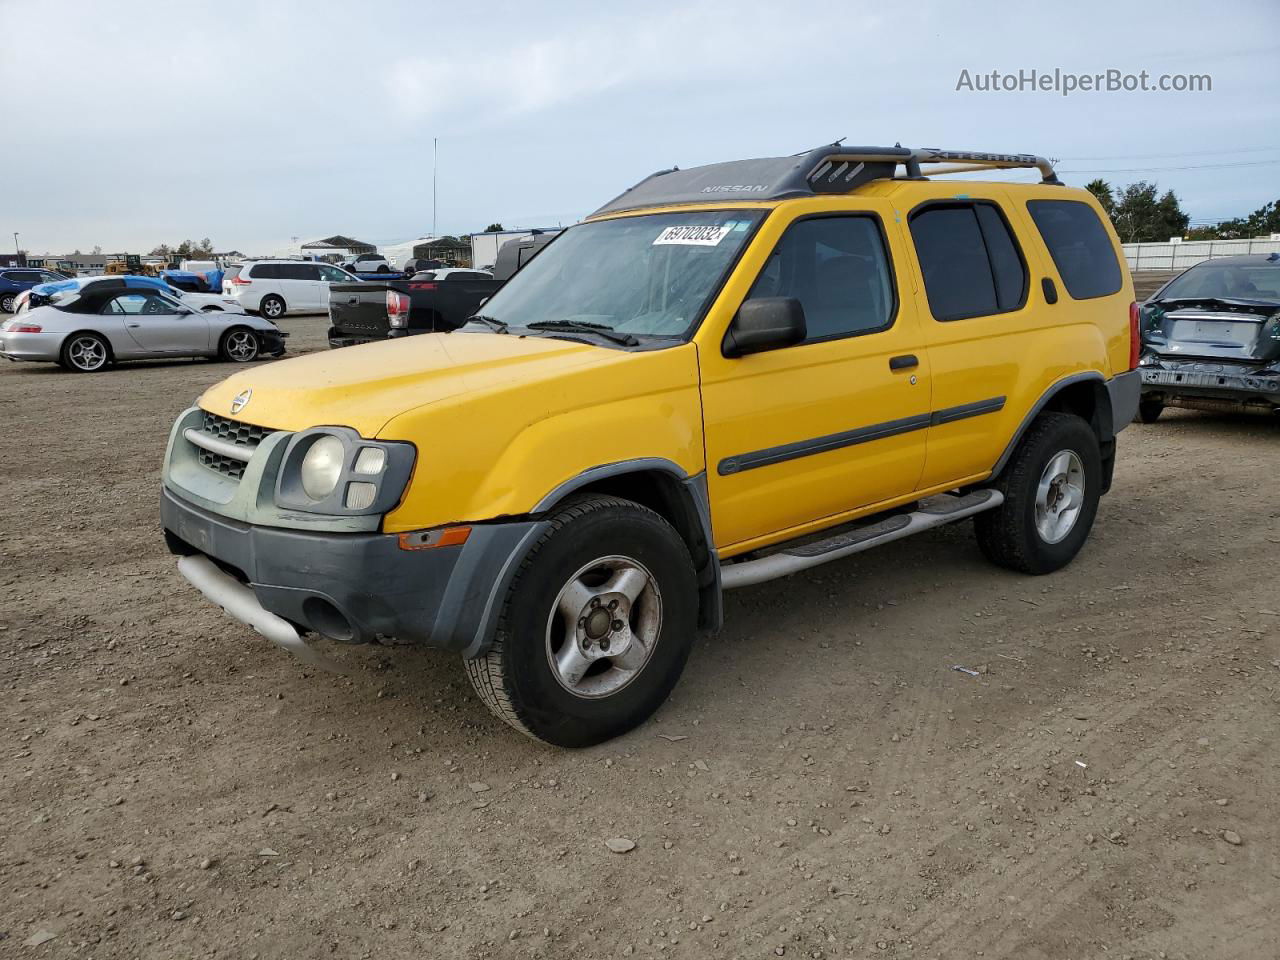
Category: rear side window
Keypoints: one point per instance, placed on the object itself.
(838, 269)
(303, 271)
(1079, 245)
(265, 271)
(971, 263)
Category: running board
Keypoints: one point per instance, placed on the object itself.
(935, 513)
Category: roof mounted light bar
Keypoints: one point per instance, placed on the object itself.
(831, 168)
(837, 166)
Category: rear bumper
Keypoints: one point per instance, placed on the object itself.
(340, 338)
(358, 586)
(31, 346)
(1211, 380)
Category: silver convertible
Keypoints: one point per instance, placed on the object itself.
(87, 324)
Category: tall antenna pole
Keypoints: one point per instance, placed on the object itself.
(435, 163)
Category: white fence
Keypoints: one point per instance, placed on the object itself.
(1179, 256)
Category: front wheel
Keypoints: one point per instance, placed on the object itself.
(238, 346)
(596, 627)
(1051, 489)
(7, 301)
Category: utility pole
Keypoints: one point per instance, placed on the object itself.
(16, 248)
(435, 164)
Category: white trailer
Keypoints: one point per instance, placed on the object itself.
(485, 246)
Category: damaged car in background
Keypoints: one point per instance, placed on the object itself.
(1211, 339)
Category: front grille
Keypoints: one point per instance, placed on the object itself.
(242, 434)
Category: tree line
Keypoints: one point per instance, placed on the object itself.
(186, 250)
(1142, 214)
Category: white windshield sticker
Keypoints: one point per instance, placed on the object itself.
(693, 236)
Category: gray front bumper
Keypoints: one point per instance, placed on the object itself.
(446, 597)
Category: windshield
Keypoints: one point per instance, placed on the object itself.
(1239, 281)
(649, 275)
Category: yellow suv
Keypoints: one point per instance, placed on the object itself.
(726, 374)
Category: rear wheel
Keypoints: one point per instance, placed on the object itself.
(271, 307)
(596, 627)
(238, 345)
(85, 353)
(1051, 489)
(1149, 410)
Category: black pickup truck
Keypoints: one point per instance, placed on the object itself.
(429, 302)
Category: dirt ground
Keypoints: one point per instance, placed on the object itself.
(823, 783)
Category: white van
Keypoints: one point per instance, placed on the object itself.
(276, 287)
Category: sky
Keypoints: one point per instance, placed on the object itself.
(253, 123)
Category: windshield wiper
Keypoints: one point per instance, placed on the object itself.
(584, 326)
(498, 326)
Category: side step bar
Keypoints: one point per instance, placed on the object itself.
(934, 513)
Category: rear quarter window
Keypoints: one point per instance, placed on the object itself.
(1080, 247)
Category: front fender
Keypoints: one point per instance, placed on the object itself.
(506, 450)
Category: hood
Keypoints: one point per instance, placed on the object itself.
(364, 387)
(1241, 330)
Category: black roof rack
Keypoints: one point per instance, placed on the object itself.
(832, 168)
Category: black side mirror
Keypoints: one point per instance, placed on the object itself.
(765, 323)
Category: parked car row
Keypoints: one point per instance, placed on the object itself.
(88, 323)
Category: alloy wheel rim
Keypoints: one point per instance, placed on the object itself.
(87, 353)
(272, 308)
(1060, 496)
(241, 346)
(603, 627)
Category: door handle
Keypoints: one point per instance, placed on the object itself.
(907, 361)
(134, 326)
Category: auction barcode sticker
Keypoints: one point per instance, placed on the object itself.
(693, 236)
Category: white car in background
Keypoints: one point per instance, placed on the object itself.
(367, 263)
(276, 287)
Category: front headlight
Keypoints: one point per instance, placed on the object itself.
(322, 467)
(336, 472)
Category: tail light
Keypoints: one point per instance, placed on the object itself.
(397, 308)
(25, 328)
(1135, 335)
(241, 281)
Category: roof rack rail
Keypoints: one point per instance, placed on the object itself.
(832, 168)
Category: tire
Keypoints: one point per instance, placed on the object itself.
(384, 269)
(85, 352)
(7, 301)
(1020, 533)
(1149, 410)
(593, 542)
(239, 345)
(272, 307)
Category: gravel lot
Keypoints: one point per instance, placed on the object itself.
(823, 783)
